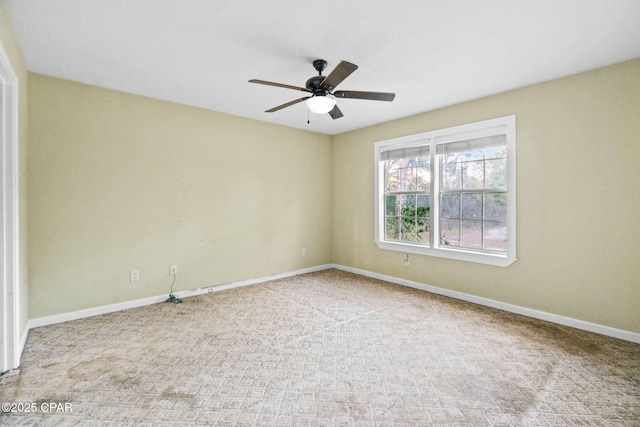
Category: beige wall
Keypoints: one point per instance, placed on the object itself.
(578, 157)
(10, 45)
(120, 182)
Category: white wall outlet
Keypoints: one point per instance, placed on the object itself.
(304, 251)
(406, 259)
(135, 275)
(173, 270)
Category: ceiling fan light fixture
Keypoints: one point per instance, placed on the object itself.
(320, 104)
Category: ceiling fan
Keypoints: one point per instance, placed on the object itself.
(323, 98)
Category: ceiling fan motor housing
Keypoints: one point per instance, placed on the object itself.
(315, 84)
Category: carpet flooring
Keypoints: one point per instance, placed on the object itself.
(323, 349)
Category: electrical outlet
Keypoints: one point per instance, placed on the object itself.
(173, 270)
(406, 259)
(135, 275)
(304, 251)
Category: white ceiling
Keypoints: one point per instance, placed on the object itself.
(431, 53)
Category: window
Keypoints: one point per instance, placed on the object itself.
(449, 193)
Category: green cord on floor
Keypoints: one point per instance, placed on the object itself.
(172, 298)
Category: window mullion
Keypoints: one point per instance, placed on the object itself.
(484, 186)
(482, 221)
(434, 197)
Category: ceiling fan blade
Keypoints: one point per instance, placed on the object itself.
(335, 113)
(341, 72)
(264, 82)
(288, 104)
(375, 96)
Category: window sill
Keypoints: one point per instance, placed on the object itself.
(457, 254)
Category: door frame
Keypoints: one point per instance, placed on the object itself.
(9, 217)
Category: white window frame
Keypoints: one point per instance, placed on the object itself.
(498, 126)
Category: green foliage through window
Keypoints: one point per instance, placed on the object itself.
(405, 220)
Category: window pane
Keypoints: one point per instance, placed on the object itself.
(390, 205)
(407, 205)
(392, 227)
(448, 158)
(423, 207)
(414, 229)
(495, 236)
(472, 205)
(450, 206)
(407, 179)
(423, 178)
(496, 174)
(495, 206)
(424, 235)
(473, 155)
(450, 176)
(471, 234)
(407, 163)
(408, 228)
(393, 180)
(473, 175)
(450, 232)
(422, 221)
(495, 152)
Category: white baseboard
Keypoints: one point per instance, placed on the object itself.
(529, 312)
(225, 286)
(90, 312)
(549, 317)
(96, 311)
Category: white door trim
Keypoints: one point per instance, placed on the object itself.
(10, 347)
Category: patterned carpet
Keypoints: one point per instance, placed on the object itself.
(323, 349)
